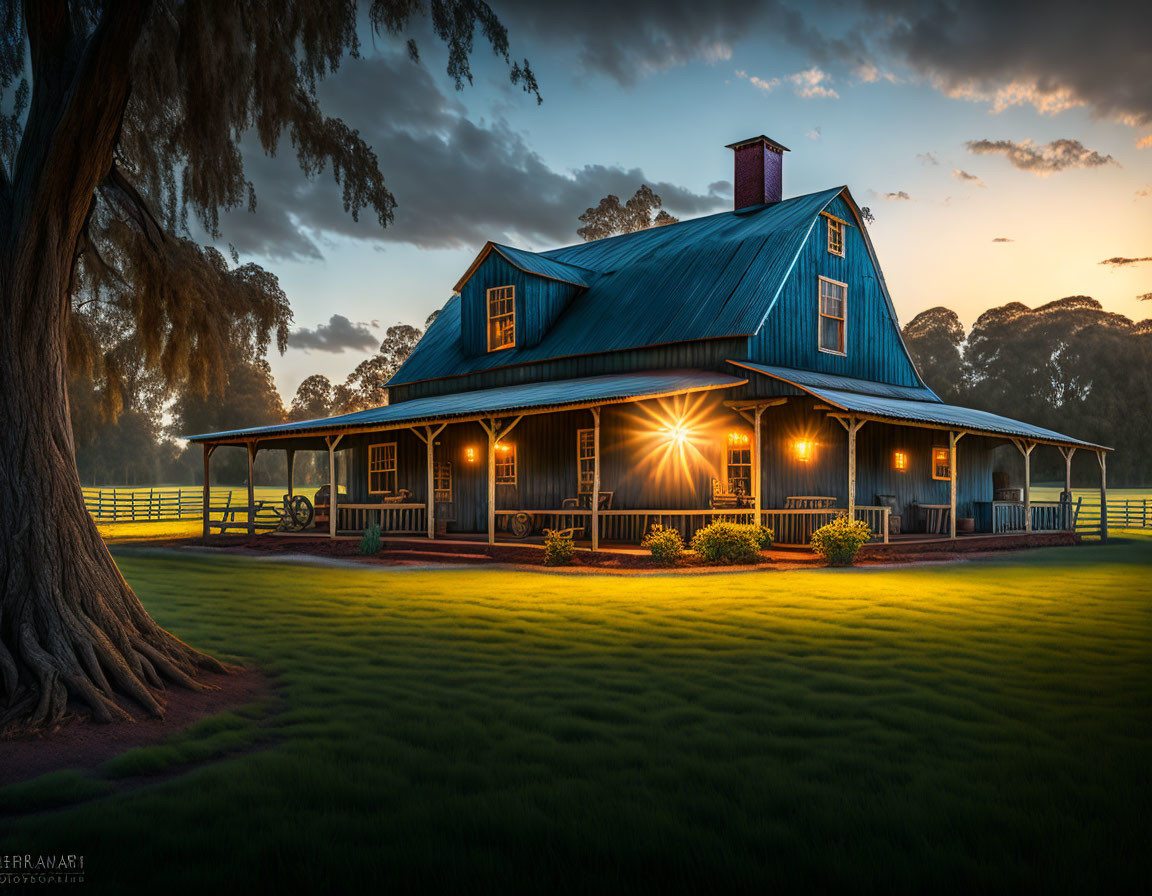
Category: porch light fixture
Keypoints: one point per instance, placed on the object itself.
(804, 450)
(470, 455)
(675, 432)
(738, 438)
(900, 461)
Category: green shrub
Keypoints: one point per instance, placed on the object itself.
(764, 536)
(666, 545)
(840, 541)
(721, 542)
(370, 543)
(558, 548)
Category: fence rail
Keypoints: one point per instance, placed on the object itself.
(1125, 513)
(135, 505)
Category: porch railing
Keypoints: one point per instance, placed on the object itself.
(791, 526)
(391, 518)
(1047, 516)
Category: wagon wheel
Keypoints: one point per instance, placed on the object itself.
(520, 526)
(298, 513)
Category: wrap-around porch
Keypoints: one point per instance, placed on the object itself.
(679, 460)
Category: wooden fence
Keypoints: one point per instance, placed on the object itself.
(137, 505)
(1125, 513)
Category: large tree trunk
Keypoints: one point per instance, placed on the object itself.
(71, 630)
(70, 627)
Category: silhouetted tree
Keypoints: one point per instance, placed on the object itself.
(610, 217)
(935, 338)
(315, 398)
(365, 386)
(120, 119)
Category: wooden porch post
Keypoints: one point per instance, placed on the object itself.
(290, 453)
(490, 428)
(757, 477)
(853, 426)
(332, 493)
(429, 439)
(208, 449)
(953, 438)
(251, 490)
(1026, 448)
(595, 478)
(1101, 456)
(1068, 452)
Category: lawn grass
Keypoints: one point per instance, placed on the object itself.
(952, 728)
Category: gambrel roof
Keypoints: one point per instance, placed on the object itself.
(706, 278)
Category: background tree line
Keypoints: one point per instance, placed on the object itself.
(1068, 365)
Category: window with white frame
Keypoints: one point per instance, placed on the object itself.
(501, 317)
(835, 236)
(833, 316)
(382, 468)
(738, 464)
(586, 459)
(505, 464)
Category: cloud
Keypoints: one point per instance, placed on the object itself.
(1002, 239)
(813, 134)
(1119, 261)
(759, 83)
(1145, 191)
(336, 336)
(899, 196)
(457, 183)
(967, 178)
(722, 189)
(1043, 160)
(1147, 297)
(928, 158)
(813, 84)
(1144, 142)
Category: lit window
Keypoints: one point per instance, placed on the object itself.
(900, 461)
(941, 467)
(833, 303)
(505, 464)
(586, 458)
(835, 237)
(738, 464)
(804, 450)
(442, 481)
(382, 468)
(501, 317)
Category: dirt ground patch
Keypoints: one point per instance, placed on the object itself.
(81, 744)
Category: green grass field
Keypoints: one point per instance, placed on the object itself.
(979, 726)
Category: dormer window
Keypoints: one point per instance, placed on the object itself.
(501, 318)
(835, 236)
(833, 316)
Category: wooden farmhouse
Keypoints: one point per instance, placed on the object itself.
(743, 365)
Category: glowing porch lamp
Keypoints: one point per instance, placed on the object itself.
(804, 449)
(900, 461)
(470, 455)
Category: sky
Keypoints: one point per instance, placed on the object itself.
(1005, 150)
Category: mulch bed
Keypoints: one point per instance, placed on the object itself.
(81, 744)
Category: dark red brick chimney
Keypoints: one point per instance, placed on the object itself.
(759, 174)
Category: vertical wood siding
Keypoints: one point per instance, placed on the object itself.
(539, 302)
(789, 335)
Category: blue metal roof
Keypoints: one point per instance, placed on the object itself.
(940, 414)
(806, 378)
(484, 402)
(532, 263)
(705, 278)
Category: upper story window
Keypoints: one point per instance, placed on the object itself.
(501, 317)
(382, 468)
(835, 236)
(833, 316)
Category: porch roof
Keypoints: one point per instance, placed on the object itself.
(525, 398)
(930, 411)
